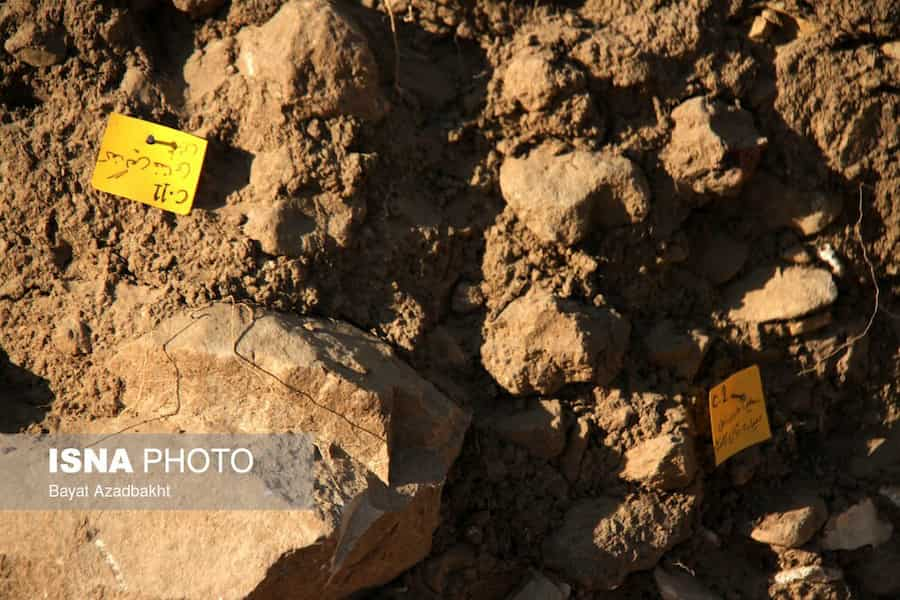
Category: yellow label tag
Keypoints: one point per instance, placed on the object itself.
(737, 412)
(150, 163)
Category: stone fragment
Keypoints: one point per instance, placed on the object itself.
(891, 49)
(532, 81)
(538, 587)
(312, 58)
(808, 574)
(570, 463)
(778, 205)
(718, 257)
(714, 149)
(682, 352)
(198, 8)
(309, 60)
(796, 254)
(72, 336)
(794, 526)
(678, 585)
(540, 429)
(35, 47)
(613, 412)
(665, 462)
(773, 294)
(541, 342)
(563, 197)
(856, 527)
(467, 298)
(603, 539)
(386, 439)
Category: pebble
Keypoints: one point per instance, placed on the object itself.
(680, 351)
(794, 527)
(540, 428)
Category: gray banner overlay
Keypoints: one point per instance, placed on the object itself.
(157, 471)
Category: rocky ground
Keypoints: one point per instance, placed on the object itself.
(493, 255)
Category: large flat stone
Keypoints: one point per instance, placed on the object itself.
(385, 439)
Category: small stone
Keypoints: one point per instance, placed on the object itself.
(564, 197)
(570, 463)
(807, 212)
(35, 47)
(714, 148)
(72, 337)
(808, 574)
(679, 585)
(538, 587)
(603, 539)
(532, 81)
(541, 342)
(719, 257)
(665, 462)
(793, 527)
(773, 294)
(760, 29)
(539, 429)
(892, 49)
(682, 352)
(467, 298)
(856, 527)
(613, 412)
(796, 254)
(309, 60)
(198, 8)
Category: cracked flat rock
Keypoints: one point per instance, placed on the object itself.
(385, 439)
(775, 294)
(541, 342)
(562, 197)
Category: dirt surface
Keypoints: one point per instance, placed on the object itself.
(709, 161)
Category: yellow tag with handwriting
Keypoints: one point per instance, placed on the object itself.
(150, 163)
(737, 412)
